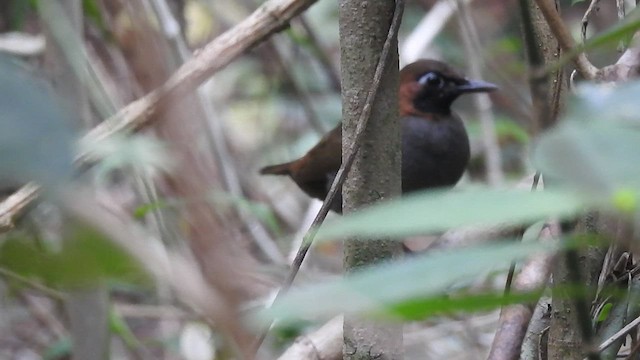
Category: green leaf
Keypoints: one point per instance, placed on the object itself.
(421, 308)
(435, 211)
(604, 312)
(389, 286)
(61, 349)
(83, 258)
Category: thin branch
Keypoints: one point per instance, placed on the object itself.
(52, 293)
(560, 31)
(618, 335)
(585, 18)
(346, 165)
(15, 204)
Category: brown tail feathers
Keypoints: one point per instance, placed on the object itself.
(280, 169)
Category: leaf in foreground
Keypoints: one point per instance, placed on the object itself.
(435, 211)
(389, 285)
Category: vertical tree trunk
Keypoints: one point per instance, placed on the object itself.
(375, 174)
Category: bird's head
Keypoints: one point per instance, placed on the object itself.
(430, 87)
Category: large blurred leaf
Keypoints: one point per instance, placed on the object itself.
(441, 210)
(84, 258)
(597, 147)
(392, 286)
(35, 139)
(421, 308)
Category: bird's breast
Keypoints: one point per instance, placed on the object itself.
(435, 153)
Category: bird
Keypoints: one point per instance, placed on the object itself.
(435, 144)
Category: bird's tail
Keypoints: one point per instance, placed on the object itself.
(280, 169)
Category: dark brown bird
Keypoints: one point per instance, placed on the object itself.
(435, 145)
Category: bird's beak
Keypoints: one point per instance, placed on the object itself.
(476, 86)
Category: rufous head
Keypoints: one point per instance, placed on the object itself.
(430, 87)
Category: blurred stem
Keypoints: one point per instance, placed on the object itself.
(300, 92)
(482, 102)
(64, 26)
(69, 69)
(216, 140)
(321, 53)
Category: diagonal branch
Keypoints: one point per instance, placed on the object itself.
(272, 17)
(560, 31)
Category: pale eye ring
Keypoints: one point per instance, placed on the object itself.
(431, 79)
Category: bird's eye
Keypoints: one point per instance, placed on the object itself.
(431, 79)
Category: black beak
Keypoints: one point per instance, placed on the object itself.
(473, 86)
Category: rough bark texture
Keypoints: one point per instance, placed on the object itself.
(548, 93)
(565, 336)
(375, 175)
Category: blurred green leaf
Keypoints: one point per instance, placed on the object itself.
(389, 286)
(621, 31)
(144, 209)
(35, 138)
(92, 11)
(421, 308)
(573, 2)
(440, 210)
(142, 154)
(118, 326)
(597, 146)
(505, 128)
(604, 312)
(84, 258)
(59, 350)
(19, 10)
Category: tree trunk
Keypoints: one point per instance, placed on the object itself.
(375, 174)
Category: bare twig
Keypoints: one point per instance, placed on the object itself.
(585, 19)
(15, 204)
(623, 332)
(52, 293)
(346, 165)
(584, 67)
